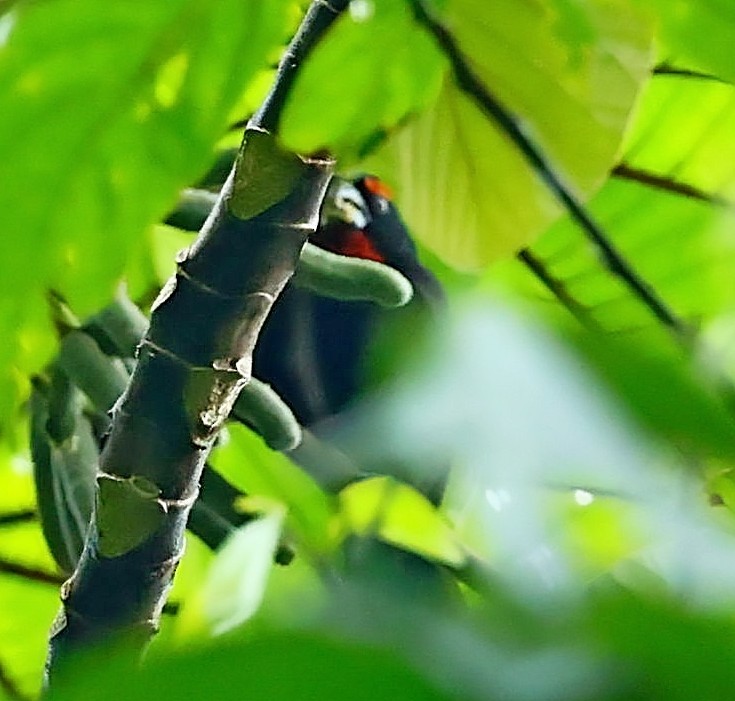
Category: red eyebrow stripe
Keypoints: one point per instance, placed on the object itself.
(378, 187)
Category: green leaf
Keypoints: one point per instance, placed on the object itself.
(699, 33)
(464, 189)
(290, 665)
(28, 608)
(252, 467)
(692, 146)
(372, 69)
(402, 516)
(107, 112)
(666, 395)
(682, 247)
(235, 584)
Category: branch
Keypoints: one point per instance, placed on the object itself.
(668, 69)
(30, 573)
(192, 364)
(15, 517)
(469, 83)
(623, 171)
(558, 289)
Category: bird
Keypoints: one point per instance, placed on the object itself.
(313, 349)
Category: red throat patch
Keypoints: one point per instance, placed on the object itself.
(356, 244)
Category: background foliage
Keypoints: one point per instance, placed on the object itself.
(586, 463)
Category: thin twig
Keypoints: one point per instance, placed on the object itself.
(15, 517)
(31, 573)
(669, 70)
(624, 171)
(473, 87)
(558, 289)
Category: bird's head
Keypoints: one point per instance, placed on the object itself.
(359, 219)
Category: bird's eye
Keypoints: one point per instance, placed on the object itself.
(383, 205)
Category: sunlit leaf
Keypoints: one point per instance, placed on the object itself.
(464, 189)
(401, 516)
(27, 608)
(373, 68)
(701, 152)
(682, 247)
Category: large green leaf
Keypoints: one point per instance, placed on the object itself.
(108, 110)
(665, 212)
(570, 71)
(684, 248)
(246, 461)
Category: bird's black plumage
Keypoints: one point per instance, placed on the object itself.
(313, 349)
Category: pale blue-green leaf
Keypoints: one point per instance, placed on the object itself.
(235, 583)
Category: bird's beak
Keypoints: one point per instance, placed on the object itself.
(344, 203)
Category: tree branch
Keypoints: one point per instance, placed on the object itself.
(670, 70)
(31, 573)
(473, 87)
(558, 289)
(623, 171)
(15, 517)
(192, 364)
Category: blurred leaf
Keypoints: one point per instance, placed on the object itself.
(465, 191)
(372, 69)
(666, 395)
(651, 644)
(108, 112)
(252, 467)
(286, 666)
(235, 583)
(27, 610)
(400, 515)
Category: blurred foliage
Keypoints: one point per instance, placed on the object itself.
(586, 545)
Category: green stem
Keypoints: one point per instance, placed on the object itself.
(192, 364)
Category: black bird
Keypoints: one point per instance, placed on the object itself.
(313, 349)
